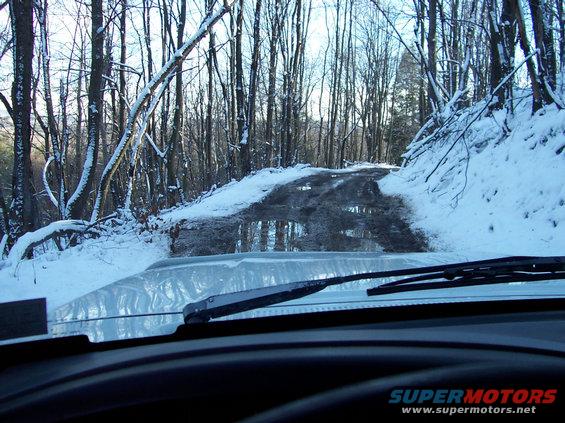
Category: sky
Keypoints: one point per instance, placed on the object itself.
(68, 18)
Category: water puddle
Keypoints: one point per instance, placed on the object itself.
(362, 210)
(306, 187)
(365, 239)
(337, 183)
(269, 235)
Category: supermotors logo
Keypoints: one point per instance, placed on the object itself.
(473, 396)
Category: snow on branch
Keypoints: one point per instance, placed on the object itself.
(479, 114)
(46, 182)
(29, 240)
(145, 96)
(139, 138)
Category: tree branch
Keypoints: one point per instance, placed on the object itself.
(6, 104)
(28, 241)
(145, 96)
(487, 104)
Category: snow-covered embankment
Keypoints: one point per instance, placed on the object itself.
(495, 192)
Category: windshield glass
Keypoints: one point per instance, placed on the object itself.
(154, 154)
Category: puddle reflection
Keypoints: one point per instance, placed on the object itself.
(361, 209)
(366, 239)
(306, 187)
(269, 235)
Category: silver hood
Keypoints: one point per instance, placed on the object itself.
(151, 302)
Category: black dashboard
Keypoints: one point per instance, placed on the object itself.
(334, 365)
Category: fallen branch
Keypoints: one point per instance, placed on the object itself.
(28, 241)
(479, 114)
(145, 97)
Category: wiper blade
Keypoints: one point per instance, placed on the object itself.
(506, 269)
(530, 269)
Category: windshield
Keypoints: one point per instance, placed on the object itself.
(155, 154)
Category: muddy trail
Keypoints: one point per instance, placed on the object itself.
(325, 212)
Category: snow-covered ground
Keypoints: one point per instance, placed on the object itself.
(128, 249)
(507, 198)
(61, 276)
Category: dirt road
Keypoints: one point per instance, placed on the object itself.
(330, 211)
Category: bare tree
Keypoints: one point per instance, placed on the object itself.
(239, 93)
(145, 96)
(172, 180)
(502, 34)
(23, 210)
(76, 205)
(275, 22)
(246, 142)
(542, 18)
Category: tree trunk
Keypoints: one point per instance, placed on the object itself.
(78, 132)
(23, 211)
(240, 98)
(172, 177)
(271, 95)
(78, 201)
(537, 101)
(496, 47)
(123, 58)
(335, 91)
(247, 140)
(561, 23)
(542, 18)
(502, 35)
(209, 105)
(432, 65)
(54, 133)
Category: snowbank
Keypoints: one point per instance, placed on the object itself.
(507, 198)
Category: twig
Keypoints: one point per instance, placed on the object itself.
(487, 104)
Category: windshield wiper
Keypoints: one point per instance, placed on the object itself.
(500, 270)
(529, 269)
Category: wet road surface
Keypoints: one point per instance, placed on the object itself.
(325, 212)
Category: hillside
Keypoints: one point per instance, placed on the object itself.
(495, 191)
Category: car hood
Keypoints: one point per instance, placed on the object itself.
(151, 302)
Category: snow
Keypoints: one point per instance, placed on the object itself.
(46, 183)
(244, 136)
(353, 166)
(509, 198)
(26, 240)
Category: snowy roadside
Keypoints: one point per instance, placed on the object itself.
(511, 197)
(237, 195)
(61, 276)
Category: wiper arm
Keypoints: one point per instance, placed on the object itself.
(500, 270)
(529, 269)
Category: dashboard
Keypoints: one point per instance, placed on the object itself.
(333, 365)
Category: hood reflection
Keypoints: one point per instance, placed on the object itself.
(165, 288)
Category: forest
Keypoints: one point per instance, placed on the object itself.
(128, 107)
